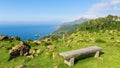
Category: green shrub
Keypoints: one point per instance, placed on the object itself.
(46, 43)
(16, 38)
(112, 38)
(99, 41)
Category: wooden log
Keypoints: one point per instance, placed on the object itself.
(80, 52)
(70, 56)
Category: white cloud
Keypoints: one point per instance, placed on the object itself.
(115, 2)
(116, 8)
(103, 8)
(100, 9)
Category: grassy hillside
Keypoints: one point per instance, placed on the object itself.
(107, 23)
(109, 42)
(68, 28)
(107, 37)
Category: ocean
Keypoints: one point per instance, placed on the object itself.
(27, 32)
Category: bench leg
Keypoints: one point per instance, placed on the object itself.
(97, 54)
(69, 62)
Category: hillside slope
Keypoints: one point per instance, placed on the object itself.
(108, 38)
(109, 22)
(68, 28)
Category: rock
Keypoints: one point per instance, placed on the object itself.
(91, 39)
(117, 41)
(37, 41)
(113, 32)
(20, 66)
(47, 40)
(3, 38)
(21, 49)
(101, 31)
(54, 55)
(47, 53)
(94, 33)
(30, 56)
(39, 51)
(106, 31)
(36, 55)
(32, 51)
(35, 52)
(50, 47)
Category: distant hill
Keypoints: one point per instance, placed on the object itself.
(83, 24)
(68, 28)
(109, 22)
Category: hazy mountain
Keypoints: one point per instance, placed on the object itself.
(68, 27)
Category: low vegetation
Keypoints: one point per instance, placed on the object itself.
(44, 53)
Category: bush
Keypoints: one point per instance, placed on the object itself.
(100, 41)
(112, 38)
(46, 43)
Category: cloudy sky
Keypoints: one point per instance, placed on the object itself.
(39, 11)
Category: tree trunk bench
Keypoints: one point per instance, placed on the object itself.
(70, 56)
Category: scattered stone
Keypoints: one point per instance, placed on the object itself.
(106, 31)
(101, 31)
(20, 66)
(3, 38)
(32, 51)
(47, 53)
(30, 56)
(50, 47)
(36, 55)
(91, 39)
(35, 52)
(117, 41)
(54, 55)
(113, 31)
(21, 49)
(39, 51)
(94, 33)
(37, 41)
(47, 40)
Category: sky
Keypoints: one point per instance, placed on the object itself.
(54, 11)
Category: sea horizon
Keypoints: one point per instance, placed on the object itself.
(26, 31)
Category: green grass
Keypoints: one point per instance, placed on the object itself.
(77, 40)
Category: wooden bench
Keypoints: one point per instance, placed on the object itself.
(70, 56)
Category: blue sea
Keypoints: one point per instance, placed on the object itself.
(27, 32)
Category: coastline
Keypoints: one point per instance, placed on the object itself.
(27, 32)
